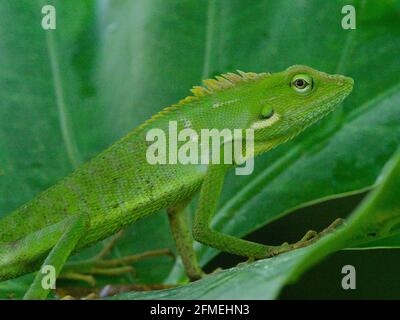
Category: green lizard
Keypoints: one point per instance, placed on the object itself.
(119, 186)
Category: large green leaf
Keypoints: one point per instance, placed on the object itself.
(345, 152)
(52, 117)
(377, 216)
(259, 280)
(67, 94)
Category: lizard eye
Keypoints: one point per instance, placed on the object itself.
(302, 83)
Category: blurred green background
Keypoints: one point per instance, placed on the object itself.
(68, 93)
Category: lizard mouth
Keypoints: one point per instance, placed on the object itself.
(347, 83)
(344, 88)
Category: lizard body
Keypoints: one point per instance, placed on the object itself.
(119, 186)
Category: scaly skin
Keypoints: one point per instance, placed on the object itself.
(119, 186)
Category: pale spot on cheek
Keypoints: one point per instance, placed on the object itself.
(265, 123)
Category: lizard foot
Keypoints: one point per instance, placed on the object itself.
(309, 238)
(86, 270)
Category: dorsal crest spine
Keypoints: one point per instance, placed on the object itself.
(220, 83)
(225, 81)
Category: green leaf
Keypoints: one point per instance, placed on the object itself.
(42, 104)
(259, 280)
(69, 93)
(15, 288)
(52, 116)
(376, 219)
(345, 152)
(377, 216)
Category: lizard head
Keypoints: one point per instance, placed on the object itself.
(293, 100)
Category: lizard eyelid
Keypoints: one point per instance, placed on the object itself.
(302, 83)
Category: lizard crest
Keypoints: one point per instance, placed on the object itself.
(220, 83)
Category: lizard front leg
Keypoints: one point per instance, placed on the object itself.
(202, 232)
(57, 257)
